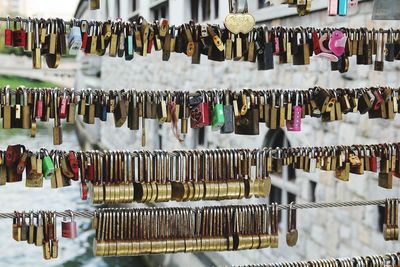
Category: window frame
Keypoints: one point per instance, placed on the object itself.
(282, 11)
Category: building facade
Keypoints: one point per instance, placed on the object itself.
(322, 232)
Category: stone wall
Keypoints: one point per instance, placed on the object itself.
(323, 232)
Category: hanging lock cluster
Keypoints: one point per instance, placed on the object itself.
(48, 38)
(160, 176)
(144, 176)
(226, 111)
(40, 229)
(126, 232)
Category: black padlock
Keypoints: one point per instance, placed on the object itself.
(229, 123)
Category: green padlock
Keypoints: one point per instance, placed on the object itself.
(217, 113)
(47, 165)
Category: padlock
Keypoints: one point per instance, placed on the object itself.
(74, 165)
(69, 228)
(19, 35)
(217, 114)
(8, 34)
(199, 115)
(294, 125)
(13, 154)
(47, 164)
(63, 109)
(36, 51)
(84, 190)
(378, 99)
(7, 116)
(85, 35)
(88, 117)
(74, 39)
(39, 106)
(16, 227)
(229, 121)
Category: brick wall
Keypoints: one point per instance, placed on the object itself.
(323, 232)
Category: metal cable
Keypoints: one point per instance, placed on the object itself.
(127, 92)
(89, 213)
(388, 259)
(74, 21)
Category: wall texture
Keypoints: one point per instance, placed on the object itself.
(323, 232)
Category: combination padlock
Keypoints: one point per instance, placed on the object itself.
(294, 125)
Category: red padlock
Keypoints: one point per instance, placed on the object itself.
(84, 190)
(150, 43)
(13, 154)
(19, 36)
(276, 49)
(200, 115)
(63, 110)
(84, 28)
(373, 163)
(69, 228)
(8, 34)
(315, 40)
(89, 171)
(74, 164)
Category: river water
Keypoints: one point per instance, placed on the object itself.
(77, 252)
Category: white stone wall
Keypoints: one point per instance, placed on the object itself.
(323, 232)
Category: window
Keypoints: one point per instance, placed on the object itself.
(107, 9)
(203, 10)
(313, 186)
(201, 136)
(277, 138)
(118, 8)
(275, 194)
(206, 9)
(134, 5)
(291, 198)
(194, 10)
(160, 11)
(381, 217)
(263, 3)
(216, 8)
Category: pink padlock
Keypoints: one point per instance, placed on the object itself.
(294, 125)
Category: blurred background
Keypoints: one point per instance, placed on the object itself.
(322, 232)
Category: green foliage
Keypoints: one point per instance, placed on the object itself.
(15, 81)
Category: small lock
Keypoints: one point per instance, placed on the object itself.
(19, 36)
(47, 165)
(74, 40)
(69, 228)
(63, 109)
(217, 114)
(294, 124)
(229, 122)
(199, 116)
(8, 34)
